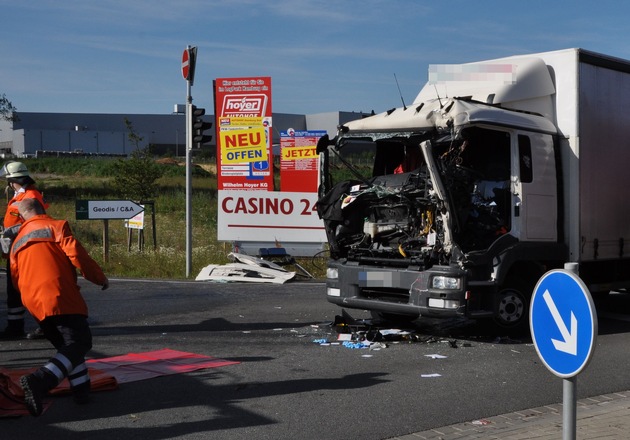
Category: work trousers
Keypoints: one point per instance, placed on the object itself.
(15, 308)
(71, 336)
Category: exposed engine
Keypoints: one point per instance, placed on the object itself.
(424, 212)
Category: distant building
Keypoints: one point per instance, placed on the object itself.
(36, 134)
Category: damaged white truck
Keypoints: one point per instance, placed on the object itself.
(497, 172)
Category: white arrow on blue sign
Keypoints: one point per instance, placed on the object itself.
(563, 322)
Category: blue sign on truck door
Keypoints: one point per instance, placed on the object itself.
(563, 322)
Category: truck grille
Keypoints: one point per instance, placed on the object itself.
(389, 295)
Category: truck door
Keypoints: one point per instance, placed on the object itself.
(534, 212)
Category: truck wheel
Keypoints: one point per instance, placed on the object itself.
(512, 305)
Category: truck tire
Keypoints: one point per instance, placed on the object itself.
(511, 308)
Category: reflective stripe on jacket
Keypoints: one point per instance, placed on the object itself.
(44, 259)
(11, 217)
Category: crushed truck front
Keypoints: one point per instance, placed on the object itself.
(425, 229)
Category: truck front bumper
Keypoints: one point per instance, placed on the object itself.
(437, 292)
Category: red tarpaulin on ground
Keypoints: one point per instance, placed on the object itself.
(107, 373)
(139, 366)
(12, 396)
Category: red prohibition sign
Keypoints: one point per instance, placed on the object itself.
(186, 64)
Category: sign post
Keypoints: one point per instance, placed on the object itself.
(189, 60)
(563, 323)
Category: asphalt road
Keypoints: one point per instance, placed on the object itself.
(286, 386)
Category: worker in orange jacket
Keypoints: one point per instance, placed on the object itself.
(44, 258)
(22, 184)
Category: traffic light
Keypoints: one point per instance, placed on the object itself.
(198, 127)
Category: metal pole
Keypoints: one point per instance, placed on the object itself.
(569, 405)
(189, 118)
(105, 240)
(569, 386)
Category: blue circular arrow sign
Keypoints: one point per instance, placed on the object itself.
(563, 322)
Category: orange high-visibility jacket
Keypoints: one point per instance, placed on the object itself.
(44, 259)
(11, 216)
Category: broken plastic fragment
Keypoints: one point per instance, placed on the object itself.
(435, 356)
(354, 345)
(391, 331)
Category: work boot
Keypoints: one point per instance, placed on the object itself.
(38, 333)
(33, 393)
(81, 393)
(14, 330)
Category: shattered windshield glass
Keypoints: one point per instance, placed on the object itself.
(424, 198)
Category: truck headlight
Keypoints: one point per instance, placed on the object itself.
(332, 273)
(446, 283)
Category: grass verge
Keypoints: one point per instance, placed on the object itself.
(63, 181)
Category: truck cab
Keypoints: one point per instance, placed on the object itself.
(459, 216)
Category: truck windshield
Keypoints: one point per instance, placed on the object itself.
(475, 170)
(398, 208)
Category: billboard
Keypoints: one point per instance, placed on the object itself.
(244, 133)
(299, 161)
(269, 216)
(250, 211)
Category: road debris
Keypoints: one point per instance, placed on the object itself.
(245, 268)
(365, 333)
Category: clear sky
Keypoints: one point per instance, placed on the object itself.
(124, 56)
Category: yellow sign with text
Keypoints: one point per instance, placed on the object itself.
(238, 146)
(297, 153)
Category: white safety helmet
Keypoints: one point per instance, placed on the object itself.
(14, 169)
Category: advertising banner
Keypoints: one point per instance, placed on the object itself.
(244, 133)
(299, 162)
(269, 216)
(136, 222)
